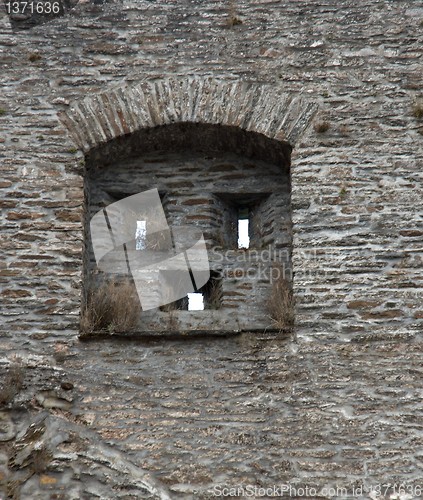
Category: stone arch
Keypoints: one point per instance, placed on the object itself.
(247, 119)
(100, 118)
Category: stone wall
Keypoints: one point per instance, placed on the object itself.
(336, 404)
(355, 199)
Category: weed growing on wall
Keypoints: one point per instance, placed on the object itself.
(112, 307)
(233, 20)
(214, 298)
(281, 302)
(418, 110)
(321, 127)
(11, 384)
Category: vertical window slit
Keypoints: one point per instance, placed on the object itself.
(195, 302)
(243, 228)
(140, 235)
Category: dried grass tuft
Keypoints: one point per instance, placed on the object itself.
(35, 56)
(418, 110)
(281, 303)
(321, 127)
(233, 20)
(112, 307)
(11, 384)
(214, 295)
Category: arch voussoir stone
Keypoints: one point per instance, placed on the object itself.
(253, 107)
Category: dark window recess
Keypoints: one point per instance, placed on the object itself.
(242, 219)
(211, 292)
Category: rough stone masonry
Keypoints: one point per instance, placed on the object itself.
(337, 404)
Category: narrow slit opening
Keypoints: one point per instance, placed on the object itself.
(243, 228)
(140, 235)
(195, 302)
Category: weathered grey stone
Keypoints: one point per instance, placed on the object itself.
(250, 409)
(7, 427)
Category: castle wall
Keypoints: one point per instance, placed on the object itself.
(356, 187)
(334, 404)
